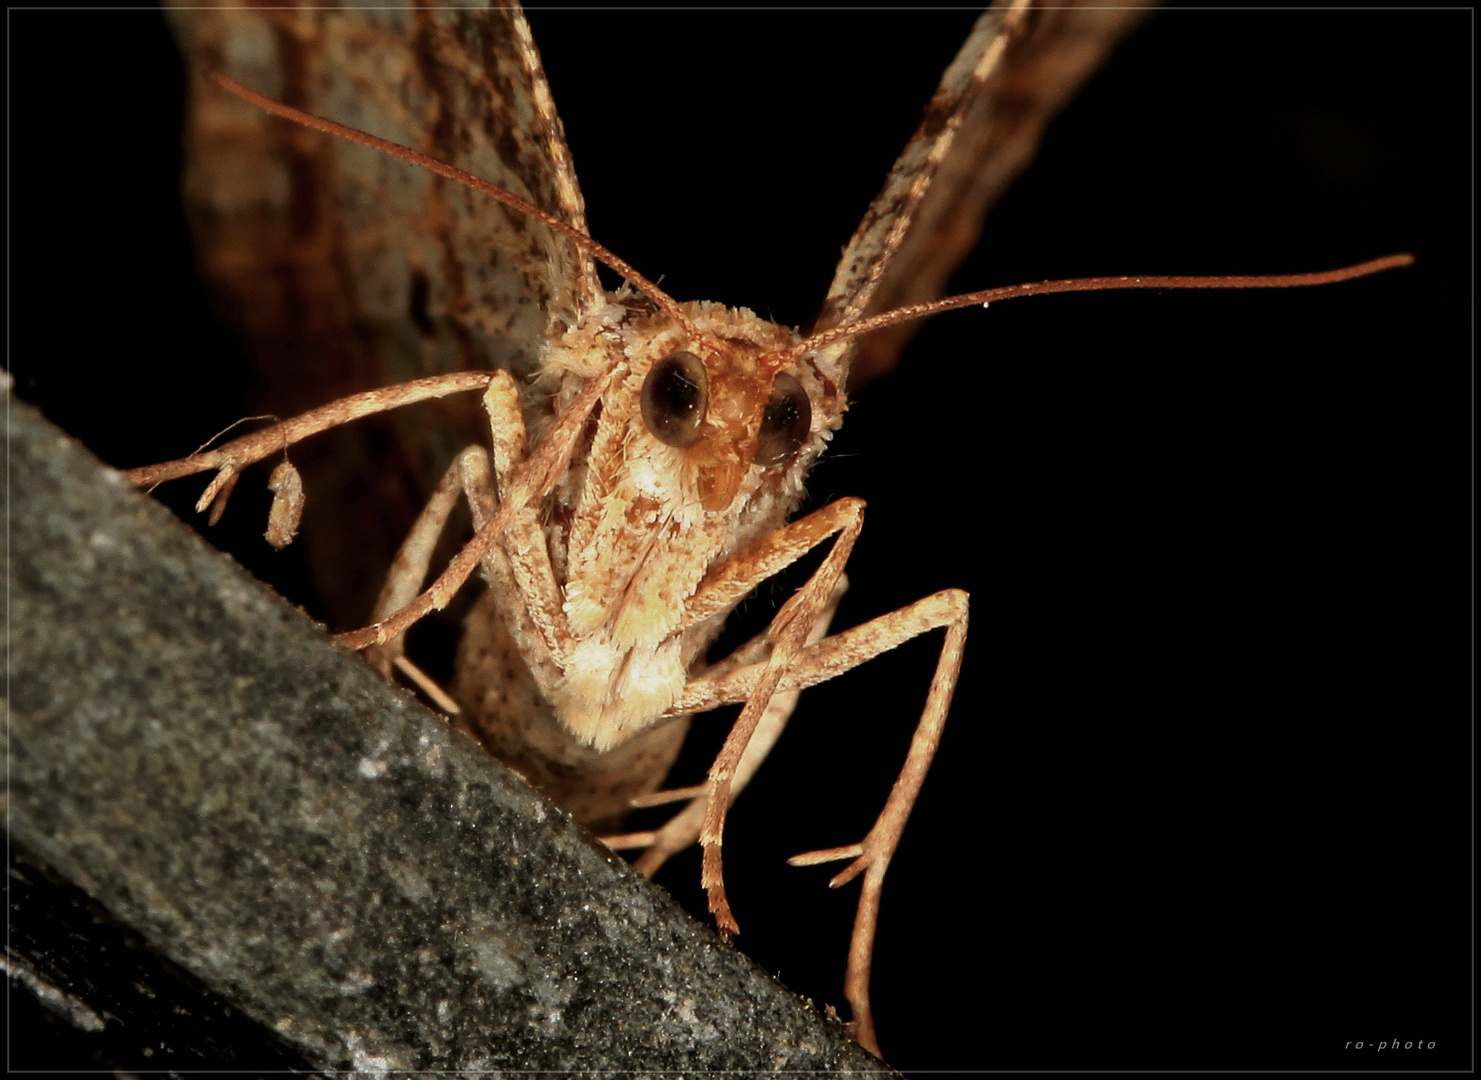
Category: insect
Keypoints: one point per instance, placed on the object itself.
(917, 454)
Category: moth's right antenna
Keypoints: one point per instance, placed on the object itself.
(665, 302)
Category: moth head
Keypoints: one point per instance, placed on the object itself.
(725, 412)
(676, 399)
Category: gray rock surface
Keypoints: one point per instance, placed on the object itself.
(314, 846)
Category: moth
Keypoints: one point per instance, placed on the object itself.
(641, 487)
(911, 443)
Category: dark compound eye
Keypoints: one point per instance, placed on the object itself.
(786, 422)
(675, 395)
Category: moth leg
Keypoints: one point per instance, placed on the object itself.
(523, 542)
(871, 856)
(684, 828)
(539, 473)
(830, 657)
(469, 473)
(790, 668)
(239, 453)
(789, 632)
(519, 563)
(822, 661)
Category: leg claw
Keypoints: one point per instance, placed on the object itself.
(863, 854)
(825, 855)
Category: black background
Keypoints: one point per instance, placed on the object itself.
(1203, 801)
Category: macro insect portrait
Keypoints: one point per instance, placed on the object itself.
(1210, 538)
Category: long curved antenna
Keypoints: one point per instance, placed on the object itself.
(665, 302)
(783, 357)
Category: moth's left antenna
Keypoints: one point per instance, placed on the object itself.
(782, 357)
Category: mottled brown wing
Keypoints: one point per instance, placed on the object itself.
(344, 269)
(1020, 65)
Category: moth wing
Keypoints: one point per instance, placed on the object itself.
(343, 269)
(1017, 69)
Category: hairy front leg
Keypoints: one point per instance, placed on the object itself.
(540, 620)
(825, 660)
(789, 632)
(518, 567)
(793, 665)
(871, 856)
(468, 474)
(684, 828)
